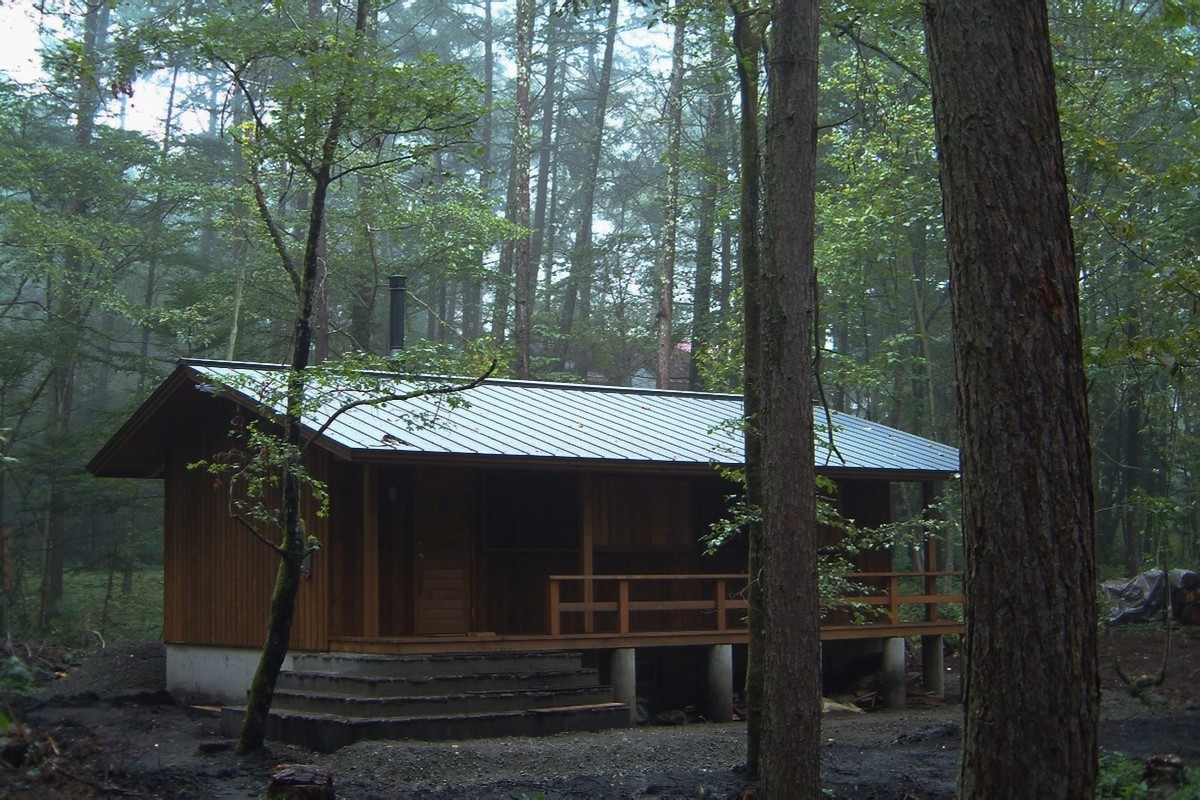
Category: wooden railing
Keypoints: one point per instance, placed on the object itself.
(890, 594)
(726, 593)
(619, 597)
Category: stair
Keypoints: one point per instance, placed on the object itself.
(329, 700)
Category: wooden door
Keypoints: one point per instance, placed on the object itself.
(443, 523)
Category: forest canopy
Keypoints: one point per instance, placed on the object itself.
(603, 195)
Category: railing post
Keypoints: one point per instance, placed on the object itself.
(720, 604)
(623, 605)
(894, 599)
(552, 606)
(589, 619)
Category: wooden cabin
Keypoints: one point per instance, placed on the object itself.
(531, 516)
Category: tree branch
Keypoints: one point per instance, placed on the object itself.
(387, 398)
(277, 235)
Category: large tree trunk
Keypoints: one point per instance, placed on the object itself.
(1031, 687)
(789, 763)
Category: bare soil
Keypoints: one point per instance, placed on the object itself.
(106, 727)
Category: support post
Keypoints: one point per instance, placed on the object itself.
(933, 664)
(894, 689)
(720, 682)
(623, 666)
(370, 554)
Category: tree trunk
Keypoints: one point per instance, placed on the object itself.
(791, 728)
(294, 547)
(473, 290)
(664, 318)
(67, 303)
(714, 186)
(522, 268)
(1026, 460)
(747, 37)
(583, 257)
(545, 148)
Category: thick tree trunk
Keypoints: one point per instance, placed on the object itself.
(790, 764)
(1031, 687)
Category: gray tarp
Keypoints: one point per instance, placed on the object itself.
(1143, 598)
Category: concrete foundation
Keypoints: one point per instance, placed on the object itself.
(211, 674)
(623, 667)
(720, 682)
(894, 689)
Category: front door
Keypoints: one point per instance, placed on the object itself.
(443, 520)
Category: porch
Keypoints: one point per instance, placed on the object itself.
(615, 616)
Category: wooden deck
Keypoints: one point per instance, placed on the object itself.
(595, 612)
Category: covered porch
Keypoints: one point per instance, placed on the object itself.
(615, 616)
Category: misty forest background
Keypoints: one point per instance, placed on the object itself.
(573, 202)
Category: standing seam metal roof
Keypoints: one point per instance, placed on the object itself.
(534, 420)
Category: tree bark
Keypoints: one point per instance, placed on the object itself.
(1026, 460)
(791, 727)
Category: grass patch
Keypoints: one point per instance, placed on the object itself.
(97, 608)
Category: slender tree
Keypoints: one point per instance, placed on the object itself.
(524, 274)
(747, 38)
(672, 209)
(583, 257)
(1023, 422)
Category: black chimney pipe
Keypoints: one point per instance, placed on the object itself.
(396, 292)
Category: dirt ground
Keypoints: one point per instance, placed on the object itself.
(107, 727)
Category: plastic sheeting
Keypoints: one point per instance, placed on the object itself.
(1144, 598)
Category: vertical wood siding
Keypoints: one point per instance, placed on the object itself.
(218, 577)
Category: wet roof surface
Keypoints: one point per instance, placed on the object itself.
(524, 419)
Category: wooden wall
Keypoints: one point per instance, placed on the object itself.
(217, 577)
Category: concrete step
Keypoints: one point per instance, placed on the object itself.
(455, 704)
(447, 664)
(327, 732)
(329, 700)
(369, 685)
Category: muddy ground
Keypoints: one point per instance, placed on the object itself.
(106, 727)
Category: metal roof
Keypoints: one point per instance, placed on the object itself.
(559, 421)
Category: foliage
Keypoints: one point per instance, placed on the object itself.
(836, 561)
(1123, 778)
(15, 678)
(96, 608)
(252, 472)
